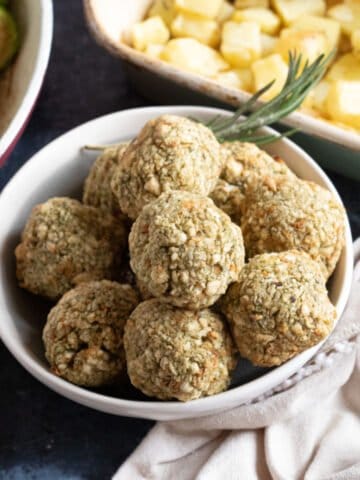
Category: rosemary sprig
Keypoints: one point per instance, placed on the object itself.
(297, 86)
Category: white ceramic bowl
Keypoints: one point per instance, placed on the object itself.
(25, 76)
(59, 169)
(110, 21)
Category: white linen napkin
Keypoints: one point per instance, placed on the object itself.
(307, 428)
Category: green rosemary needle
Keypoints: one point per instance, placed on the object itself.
(297, 85)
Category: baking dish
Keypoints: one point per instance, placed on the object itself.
(110, 21)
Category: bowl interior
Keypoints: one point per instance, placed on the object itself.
(59, 170)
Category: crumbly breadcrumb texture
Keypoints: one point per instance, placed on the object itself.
(244, 164)
(279, 307)
(228, 198)
(64, 243)
(170, 153)
(97, 187)
(291, 213)
(173, 353)
(83, 336)
(185, 250)
(143, 290)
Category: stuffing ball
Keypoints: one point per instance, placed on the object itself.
(170, 153)
(65, 243)
(175, 353)
(185, 250)
(97, 187)
(228, 198)
(244, 163)
(83, 336)
(143, 290)
(285, 214)
(279, 307)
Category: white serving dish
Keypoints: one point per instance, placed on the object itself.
(22, 314)
(25, 76)
(110, 21)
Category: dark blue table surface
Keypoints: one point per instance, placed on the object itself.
(42, 435)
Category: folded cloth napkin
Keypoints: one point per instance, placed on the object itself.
(307, 428)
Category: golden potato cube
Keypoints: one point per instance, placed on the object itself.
(269, 22)
(241, 43)
(203, 29)
(343, 102)
(226, 10)
(344, 43)
(268, 69)
(348, 15)
(152, 30)
(346, 67)
(310, 44)
(191, 55)
(154, 50)
(355, 42)
(331, 3)
(321, 92)
(204, 8)
(252, 3)
(268, 44)
(317, 98)
(291, 10)
(329, 27)
(240, 78)
(164, 9)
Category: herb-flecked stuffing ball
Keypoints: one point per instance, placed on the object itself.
(173, 353)
(64, 243)
(228, 198)
(284, 214)
(185, 250)
(97, 187)
(83, 336)
(244, 164)
(279, 307)
(170, 153)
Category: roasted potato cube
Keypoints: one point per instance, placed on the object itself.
(252, 3)
(241, 43)
(226, 10)
(343, 102)
(164, 9)
(205, 30)
(152, 30)
(355, 42)
(205, 8)
(241, 78)
(317, 98)
(346, 67)
(154, 50)
(348, 15)
(191, 55)
(269, 22)
(268, 44)
(268, 69)
(310, 44)
(329, 27)
(291, 10)
(344, 43)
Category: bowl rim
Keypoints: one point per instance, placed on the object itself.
(343, 136)
(160, 409)
(17, 124)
